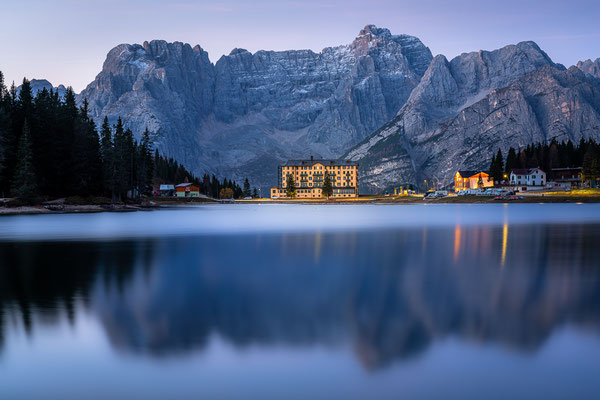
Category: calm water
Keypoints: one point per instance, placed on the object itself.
(303, 302)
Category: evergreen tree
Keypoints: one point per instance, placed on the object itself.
(215, 186)
(493, 167)
(121, 160)
(553, 157)
(247, 192)
(255, 193)
(290, 189)
(512, 161)
(327, 186)
(24, 184)
(5, 133)
(206, 187)
(480, 181)
(25, 100)
(108, 163)
(499, 170)
(591, 165)
(145, 165)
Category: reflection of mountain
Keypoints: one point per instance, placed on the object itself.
(391, 294)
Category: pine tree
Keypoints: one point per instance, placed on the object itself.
(121, 160)
(24, 184)
(493, 167)
(590, 165)
(215, 186)
(108, 162)
(5, 134)
(511, 161)
(290, 189)
(145, 165)
(499, 167)
(246, 188)
(480, 182)
(255, 193)
(206, 188)
(327, 186)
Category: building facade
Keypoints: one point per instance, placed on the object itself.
(464, 180)
(566, 177)
(527, 177)
(187, 190)
(309, 176)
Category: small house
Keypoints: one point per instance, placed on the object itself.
(187, 190)
(527, 178)
(566, 178)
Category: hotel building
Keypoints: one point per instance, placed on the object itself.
(470, 180)
(309, 176)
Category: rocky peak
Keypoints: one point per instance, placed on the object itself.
(379, 42)
(373, 31)
(590, 67)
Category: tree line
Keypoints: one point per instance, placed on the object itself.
(549, 156)
(50, 147)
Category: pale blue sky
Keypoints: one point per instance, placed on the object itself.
(66, 41)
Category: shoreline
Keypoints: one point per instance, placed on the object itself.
(47, 209)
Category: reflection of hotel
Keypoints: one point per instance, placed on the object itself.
(309, 176)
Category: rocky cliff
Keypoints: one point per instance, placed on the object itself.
(590, 67)
(243, 115)
(382, 100)
(463, 110)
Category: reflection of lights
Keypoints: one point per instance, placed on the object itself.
(504, 242)
(456, 242)
(318, 239)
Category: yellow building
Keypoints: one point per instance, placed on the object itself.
(309, 176)
(470, 180)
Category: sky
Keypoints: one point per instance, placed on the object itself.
(66, 41)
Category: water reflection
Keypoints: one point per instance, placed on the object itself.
(387, 294)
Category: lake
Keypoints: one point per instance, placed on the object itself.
(303, 302)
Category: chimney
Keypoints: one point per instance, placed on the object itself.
(311, 158)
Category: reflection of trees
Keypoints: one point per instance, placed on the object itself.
(390, 293)
(45, 279)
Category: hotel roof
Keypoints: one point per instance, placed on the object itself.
(291, 163)
(470, 174)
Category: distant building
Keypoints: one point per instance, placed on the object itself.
(309, 176)
(527, 178)
(566, 177)
(166, 190)
(187, 190)
(467, 179)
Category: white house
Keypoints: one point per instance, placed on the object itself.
(527, 177)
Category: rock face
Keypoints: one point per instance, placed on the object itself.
(243, 115)
(382, 101)
(590, 67)
(464, 110)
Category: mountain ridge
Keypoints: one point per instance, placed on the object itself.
(382, 100)
(253, 109)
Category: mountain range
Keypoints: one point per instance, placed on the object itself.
(383, 100)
